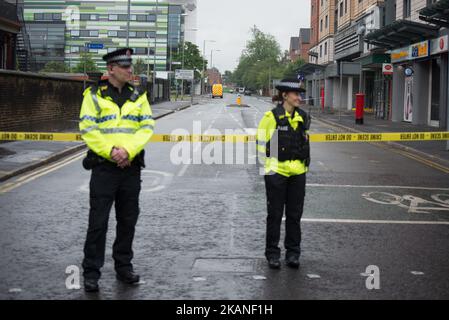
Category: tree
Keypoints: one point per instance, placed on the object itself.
(86, 59)
(259, 62)
(56, 66)
(140, 67)
(192, 59)
(291, 71)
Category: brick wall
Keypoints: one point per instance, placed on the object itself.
(27, 99)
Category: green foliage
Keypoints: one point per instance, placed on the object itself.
(192, 59)
(262, 61)
(86, 58)
(56, 66)
(140, 67)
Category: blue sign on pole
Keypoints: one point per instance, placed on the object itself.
(95, 45)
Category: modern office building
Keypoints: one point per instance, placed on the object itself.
(63, 30)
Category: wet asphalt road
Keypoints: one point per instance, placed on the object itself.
(201, 230)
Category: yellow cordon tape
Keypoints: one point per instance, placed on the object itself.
(319, 137)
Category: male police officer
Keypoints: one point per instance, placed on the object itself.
(116, 123)
(287, 157)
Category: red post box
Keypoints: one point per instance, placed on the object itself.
(359, 105)
(322, 98)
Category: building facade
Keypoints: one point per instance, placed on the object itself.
(69, 28)
(418, 47)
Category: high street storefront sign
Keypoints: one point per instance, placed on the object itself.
(420, 50)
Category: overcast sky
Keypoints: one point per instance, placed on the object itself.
(229, 22)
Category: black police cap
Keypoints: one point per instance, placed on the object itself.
(288, 85)
(121, 56)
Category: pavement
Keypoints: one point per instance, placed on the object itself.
(201, 231)
(434, 150)
(18, 157)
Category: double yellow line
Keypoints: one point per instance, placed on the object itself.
(21, 180)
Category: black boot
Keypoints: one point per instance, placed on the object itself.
(91, 285)
(128, 277)
(292, 262)
(274, 263)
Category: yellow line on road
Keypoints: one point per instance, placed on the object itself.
(38, 173)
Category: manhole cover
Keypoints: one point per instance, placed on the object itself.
(237, 265)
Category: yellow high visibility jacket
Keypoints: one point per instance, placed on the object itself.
(267, 127)
(104, 125)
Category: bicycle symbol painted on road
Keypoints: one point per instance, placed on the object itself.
(413, 204)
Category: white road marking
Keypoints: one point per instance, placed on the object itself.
(319, 185)
(354, 221)
(417, 273)
(313, 276)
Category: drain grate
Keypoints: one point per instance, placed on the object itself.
(225, 265)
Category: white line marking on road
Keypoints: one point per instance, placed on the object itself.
(353, 221)
(199, 279)
(417, 273)
(319, 185)
(313, 276)
(256, 277)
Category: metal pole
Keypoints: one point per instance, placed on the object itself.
(182, 64)
(341, 89)
(204, 66)
(154, 54)
(127, 23)
(148, 57)
(447, 100)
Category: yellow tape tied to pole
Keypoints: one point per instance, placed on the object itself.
(167, 138)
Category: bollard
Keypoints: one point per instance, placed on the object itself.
(239, 100)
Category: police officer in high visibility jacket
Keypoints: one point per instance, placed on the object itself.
(283, 145)
(116, 123)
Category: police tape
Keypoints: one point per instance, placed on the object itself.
(240, 138)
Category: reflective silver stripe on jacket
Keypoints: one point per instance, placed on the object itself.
(95, 100)
(117, 130)
(89, 129)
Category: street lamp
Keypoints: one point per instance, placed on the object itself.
(204, 64)
(211, 56)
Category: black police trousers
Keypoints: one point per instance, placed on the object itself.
(110, 184)
(284, 193)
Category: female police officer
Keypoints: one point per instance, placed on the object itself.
(283, 144)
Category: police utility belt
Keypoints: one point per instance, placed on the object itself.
(92, 160)
(292, 144)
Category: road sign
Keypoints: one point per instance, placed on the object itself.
(184, 74)
(387, 68)
(95, 46)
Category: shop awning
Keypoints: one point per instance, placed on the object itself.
(309, 68)
(436, 13)
(401, 33)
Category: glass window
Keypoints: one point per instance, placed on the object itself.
(133, 17)
(57, 16)
(48, 16)
(74, 49)
(123, 17)
(140, 51)
(111, 49)
(112, 33)
(75, 33)
(121, 34)
(141, 34)
(132, 34)
(113, 17)
(84, 16)
(141, 17)
(151, 34)
(93, 33)
(151, 17)
(93, 17)
(38, 16)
